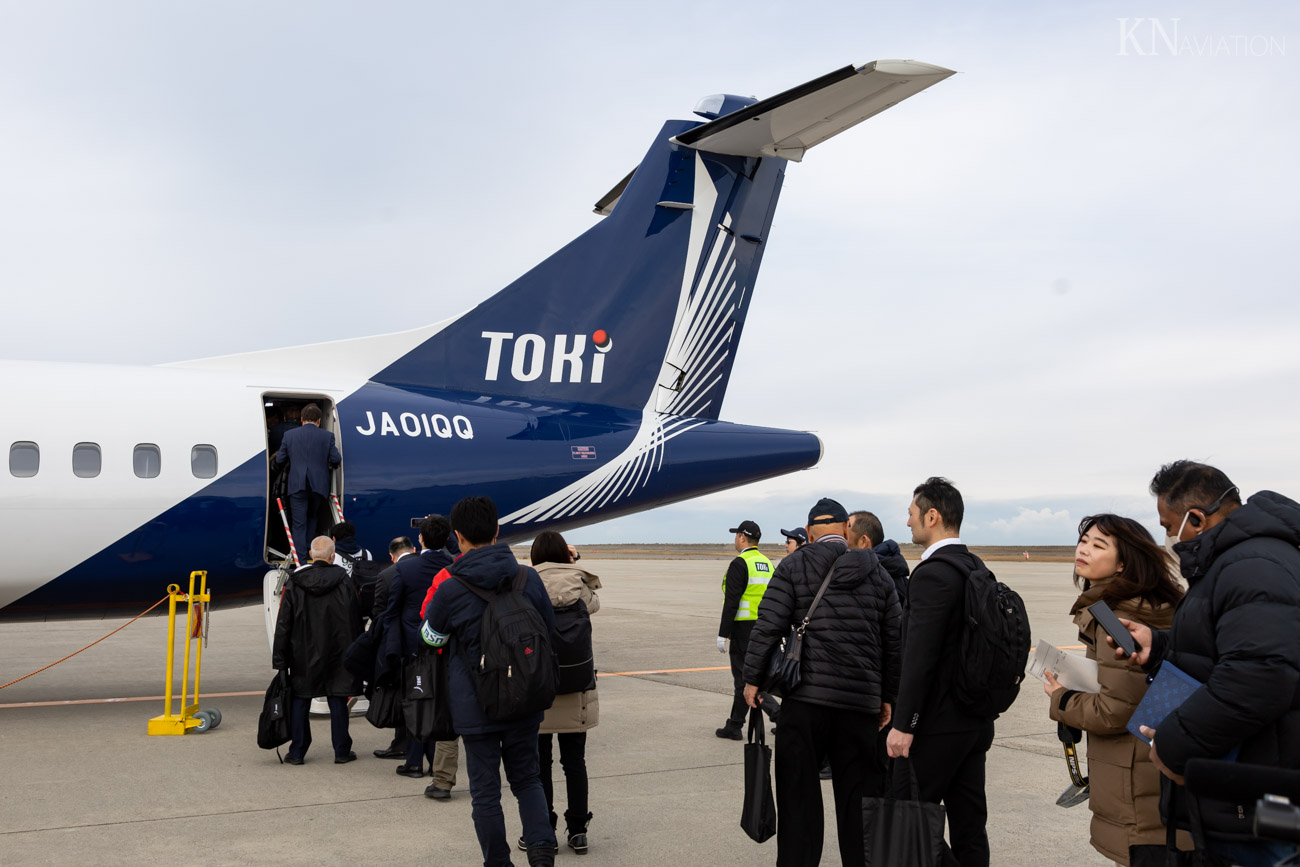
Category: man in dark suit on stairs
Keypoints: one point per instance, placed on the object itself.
(311, 454)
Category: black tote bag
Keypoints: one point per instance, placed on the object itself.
(898, 833)
(273, 722)
(385, 707)
(426, 706)
(758, 817)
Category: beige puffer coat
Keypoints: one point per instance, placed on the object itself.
(1124, 787)
(566, 583)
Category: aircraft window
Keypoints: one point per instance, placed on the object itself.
(148, 460)
(86, 460)
(203, 461)
(24, 459)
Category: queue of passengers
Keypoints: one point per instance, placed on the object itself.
(439, 599)
(880, 700)
(883, 707)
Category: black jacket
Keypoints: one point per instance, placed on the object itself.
(402, 618)
(455, 616)
(319, 617)
(891, 557)
(932, 630)
(1238, 631)
(852, 645)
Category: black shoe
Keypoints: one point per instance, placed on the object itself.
(730, 732)
(825, 772)
(294, 760)
(578, 834)
(390, 753)
(542, 855)
(343, 760)
(432, 791)
(413, 773)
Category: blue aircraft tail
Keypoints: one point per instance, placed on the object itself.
(645, 309)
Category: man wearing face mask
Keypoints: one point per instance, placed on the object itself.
(1236, 632)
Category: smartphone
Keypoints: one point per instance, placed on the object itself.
(1107, 620)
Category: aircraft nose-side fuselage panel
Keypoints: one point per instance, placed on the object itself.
(406, 453)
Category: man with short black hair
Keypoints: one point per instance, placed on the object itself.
(1235, 632)
(848, 680)
(311, 454)
(454, 619)
(943, 744)
(866, 531)
(417, 578)
(742, 590)
(398, 549)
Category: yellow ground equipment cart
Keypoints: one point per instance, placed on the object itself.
(196, 629)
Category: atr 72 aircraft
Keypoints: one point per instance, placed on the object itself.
(587, 389)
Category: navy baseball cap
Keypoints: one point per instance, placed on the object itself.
(834, 512)
(749, 528)
(799, 534)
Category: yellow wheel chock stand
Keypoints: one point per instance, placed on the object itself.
(190, 717)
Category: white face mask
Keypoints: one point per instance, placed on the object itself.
(1171, 541)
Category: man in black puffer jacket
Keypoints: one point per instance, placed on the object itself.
(1236, 632)
(866, 531)
(849, 677)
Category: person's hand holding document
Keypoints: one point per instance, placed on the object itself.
(1072, 672)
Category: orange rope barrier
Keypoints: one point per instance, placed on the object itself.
(91, 644)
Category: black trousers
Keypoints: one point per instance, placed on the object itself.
(807, 736)
(739, 647)
(573, 759)
(300, 726)
(305, 511)
(949, 769)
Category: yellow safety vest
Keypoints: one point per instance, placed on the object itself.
(760, 572)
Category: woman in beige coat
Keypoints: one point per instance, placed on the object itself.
(572, 713)
(1116, 560)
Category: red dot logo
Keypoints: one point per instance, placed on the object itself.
(601, 339)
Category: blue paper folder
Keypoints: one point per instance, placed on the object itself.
(1170, 688)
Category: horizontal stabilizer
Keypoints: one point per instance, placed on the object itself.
(788, 124)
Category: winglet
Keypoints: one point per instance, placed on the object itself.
(788, 124)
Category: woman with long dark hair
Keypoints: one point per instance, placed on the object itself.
(572, 713)
(1117, 561)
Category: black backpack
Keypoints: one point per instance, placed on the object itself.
(273, 722)
(994, 647)
(573, 653)
(365, 573)
(515, 675)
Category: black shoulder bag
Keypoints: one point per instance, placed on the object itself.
(783, 663)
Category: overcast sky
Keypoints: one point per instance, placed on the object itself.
(1043, 277)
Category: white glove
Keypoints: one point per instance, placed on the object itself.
(722, 644)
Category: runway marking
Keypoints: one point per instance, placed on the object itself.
(21, 704)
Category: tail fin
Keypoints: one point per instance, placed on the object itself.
(644, 310)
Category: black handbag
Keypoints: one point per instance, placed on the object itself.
(273, 722)
(783, 673)
(898, 833)
(385, 710)
(426, 706)
(758, 815)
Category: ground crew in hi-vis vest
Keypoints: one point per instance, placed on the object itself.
(742, 590)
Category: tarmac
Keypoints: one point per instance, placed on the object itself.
(83, 783)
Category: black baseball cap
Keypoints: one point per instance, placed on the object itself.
(834, 512)
(749, 528)
(799, 534)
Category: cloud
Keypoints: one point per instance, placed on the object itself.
(1031, 521)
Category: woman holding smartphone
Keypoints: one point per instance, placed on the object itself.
(1116, 561)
